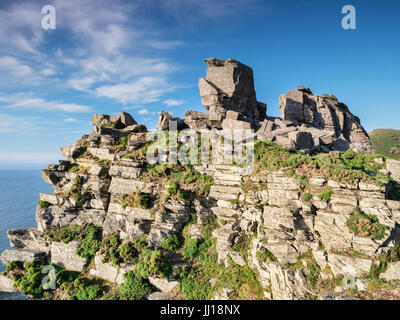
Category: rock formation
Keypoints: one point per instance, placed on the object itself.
(325, 113)
(298, 223)
(229, 85)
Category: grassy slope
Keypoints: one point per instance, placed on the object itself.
(385, 139)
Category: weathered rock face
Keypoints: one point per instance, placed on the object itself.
(283, 231)
(196, 120)
(229, 85)
(325, 113)
(165, 121)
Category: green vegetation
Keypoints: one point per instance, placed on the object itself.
(66, 234)
(91, 242)
(386, 142)
(75, 168)
(195, 281)
(89, 156)
(43, 204)
(89, 235)
(191, 248)
(313, 269)
(103, 162)
(121, 146)
(183, 176)
(382, 263)
(171, 243)
(174, 189)
(326, 195)
(134, 287)
(265, 256)
(152, 262)
(28, 279)
(306, 197)
(136, 200)
(368, 226)
(344, 167)
(115, 251)
(76, 190)
(328, 96)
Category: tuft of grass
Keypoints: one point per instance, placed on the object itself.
(136, 200)
(326, 195)
(43, 204)
(134, 287)
(171, 243)
(265, 256)
(307, 197)
(75, 192)
(346, 167)
(367, 226)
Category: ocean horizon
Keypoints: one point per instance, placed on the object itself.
(19, 194)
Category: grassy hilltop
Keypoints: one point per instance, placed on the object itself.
(386, 142)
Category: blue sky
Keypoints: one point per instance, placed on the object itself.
(146, 56)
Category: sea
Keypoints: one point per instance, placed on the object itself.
(19, 195)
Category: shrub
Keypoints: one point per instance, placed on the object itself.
(66, 234)
(43, 204)
(368, 226)
(134, 287)
(76, 190)
(191, 248)
(29, 281)
(152, 262)
(90, 243)
(346, 167)
(90, 292)
(326, 195)
(136, 200)
(115, 251)
(307, 197)
(174, 189)
(171, 243)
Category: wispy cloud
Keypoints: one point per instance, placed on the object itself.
(142, 90)
(21, 125)
(173, 102)
(69, 120)
(30, 101)
(143, 111)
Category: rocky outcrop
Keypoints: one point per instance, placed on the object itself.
(333, 125)
(290, 226)
(229, 85)
(167, 122)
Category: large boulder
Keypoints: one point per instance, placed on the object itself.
(120, 121)
(325, 113)
(165, 119)
(23, 255)
(196, 120)
(229, 85)
(64, 255)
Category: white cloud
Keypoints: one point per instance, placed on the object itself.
(21, 125)
(14, 67)
(48, 72)
(71, 120)
(30, 101)
(173, 103)
(142, 90)
(143, 111)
